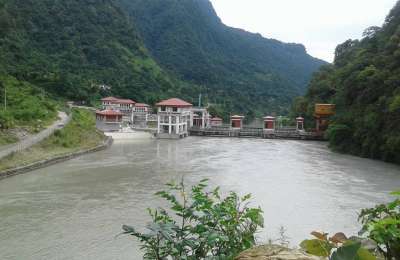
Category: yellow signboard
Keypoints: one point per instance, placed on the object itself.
(324, 109)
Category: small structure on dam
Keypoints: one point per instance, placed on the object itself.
(322, 115)
(237, 122)
(300, 123)
(269, 124)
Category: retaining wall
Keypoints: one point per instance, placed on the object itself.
(44, 163)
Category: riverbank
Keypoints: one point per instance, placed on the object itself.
(78, 137)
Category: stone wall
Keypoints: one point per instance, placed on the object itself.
(274, 252)
(44, 163)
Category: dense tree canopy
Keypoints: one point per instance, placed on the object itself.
(364, 83)
(243, 71)
(71, 48)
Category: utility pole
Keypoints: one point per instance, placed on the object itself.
(5, 97)
(200, 100)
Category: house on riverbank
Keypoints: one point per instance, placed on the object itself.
(125, 106)
(109, 120)
(174, 118)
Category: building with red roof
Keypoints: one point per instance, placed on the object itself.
(123, 105)
(109, 120)
(174, 118)
(174, 102)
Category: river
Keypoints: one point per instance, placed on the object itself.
(75, 209)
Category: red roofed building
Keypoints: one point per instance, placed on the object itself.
(174, 118)
(174, 102)
(109, 120)
(123, 105)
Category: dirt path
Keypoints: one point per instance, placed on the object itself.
(34, 139)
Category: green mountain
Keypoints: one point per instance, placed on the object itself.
(242, 70)
(147, 51)
(364, 83)
(70, 48)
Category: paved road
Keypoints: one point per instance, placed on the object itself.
(34, 139)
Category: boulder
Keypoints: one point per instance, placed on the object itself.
(274, 252)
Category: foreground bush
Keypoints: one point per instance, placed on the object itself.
(202, 225)
(382, 224)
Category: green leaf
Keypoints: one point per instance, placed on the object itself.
(316, 247)
(128, 229)
(346, 252)
(364, 254)
(395, 193)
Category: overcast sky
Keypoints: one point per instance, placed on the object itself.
(318, 24)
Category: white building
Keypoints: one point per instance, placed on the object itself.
(125, 106)
(174, 118)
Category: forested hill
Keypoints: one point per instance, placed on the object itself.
(242, 70)
(364, 83)
(70, 48)
(169, 48)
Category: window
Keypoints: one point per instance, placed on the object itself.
(175, 109)
(163, 108)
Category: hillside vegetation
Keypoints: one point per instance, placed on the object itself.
(80, 134)
(70, 48)
(364, 83)
(23, 106)
(242, 71)
(84, 49)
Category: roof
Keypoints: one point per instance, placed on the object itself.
(269, 117)
(174, 102)
(237, 116)
(216, 119)
(141, 105)
(118, 100)
(124, 101)
(109, 99)
(108, 113)
(300, 118)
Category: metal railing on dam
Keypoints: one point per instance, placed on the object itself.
(256, 132)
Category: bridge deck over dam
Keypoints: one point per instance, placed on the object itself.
(254, 132)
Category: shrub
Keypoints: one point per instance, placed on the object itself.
(337, 247)
(339, 136)
(382, 224)
(204, 225)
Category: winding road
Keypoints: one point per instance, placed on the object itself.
(34, 139)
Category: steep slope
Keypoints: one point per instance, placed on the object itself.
(240, 68)
(70, 48)
(364, 82)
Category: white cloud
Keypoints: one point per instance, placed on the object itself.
(318, 24)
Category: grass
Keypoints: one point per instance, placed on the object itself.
(79, 134)
(7, 138)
